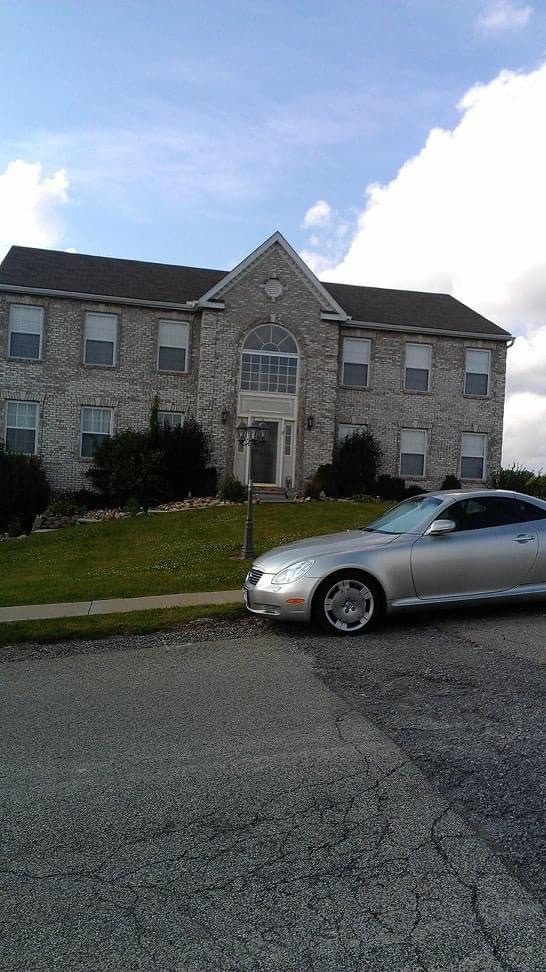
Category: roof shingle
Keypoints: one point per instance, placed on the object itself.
(136, 280)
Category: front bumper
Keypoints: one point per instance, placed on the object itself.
(286, 602)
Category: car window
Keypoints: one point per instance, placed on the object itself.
(411, 516)
(485, 512)
(528, 511)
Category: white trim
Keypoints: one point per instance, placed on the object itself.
(486, 351)
(423, 432)
(441, 332)
(344, 361)
(18, 357)
(428, 369)
(276, 237)
(189, 306)
(36, 430)
(173, 371)
(95, 364)
(103, 408)
(483, 477)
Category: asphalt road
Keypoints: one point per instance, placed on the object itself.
(266, 800)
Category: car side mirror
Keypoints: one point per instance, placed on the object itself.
(439, 527)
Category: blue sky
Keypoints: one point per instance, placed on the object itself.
(393, 142)
(190, 131)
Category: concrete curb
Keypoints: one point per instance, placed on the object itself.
(116, 605)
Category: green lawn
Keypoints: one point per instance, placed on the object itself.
(166, 553)
(104, 625)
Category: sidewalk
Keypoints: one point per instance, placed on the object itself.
(115, 605)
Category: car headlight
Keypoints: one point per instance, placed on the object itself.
(289, 574)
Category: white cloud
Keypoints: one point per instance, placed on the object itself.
(318, 214)
(30, 205)
(467, 216)
(500, 15)
(524, 431)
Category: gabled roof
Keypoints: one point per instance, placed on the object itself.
(28, 269)
(277, 239)
(411, 308)
(78, 273)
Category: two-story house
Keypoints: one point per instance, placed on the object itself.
(86, 343)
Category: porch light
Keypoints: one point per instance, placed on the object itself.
(251, 436)
(224, 415)
(310, 422)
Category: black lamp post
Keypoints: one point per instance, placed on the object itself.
(252, 436)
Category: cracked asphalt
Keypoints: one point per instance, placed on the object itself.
(260, 799)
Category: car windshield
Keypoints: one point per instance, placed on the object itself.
(411, 516)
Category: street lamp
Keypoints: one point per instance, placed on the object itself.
(252, 436)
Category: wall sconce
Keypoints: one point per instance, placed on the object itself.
(224, 415)
(310, 422)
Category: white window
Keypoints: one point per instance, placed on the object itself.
(473, 450)
(269, 362)
(96, 426)
(477, 368)
(356, 362)
(100, 339)
(173, 419)
(417, 373)
(344, 431)
(21, 427)
(288, 439)
(172, 353)
(25, 331)
(413, 447)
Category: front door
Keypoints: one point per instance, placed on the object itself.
(263, 461)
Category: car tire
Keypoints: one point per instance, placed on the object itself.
(348, 603)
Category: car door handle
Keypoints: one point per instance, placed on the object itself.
(523, 538)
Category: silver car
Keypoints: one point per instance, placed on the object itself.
(443, 548)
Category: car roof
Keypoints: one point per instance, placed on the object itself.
(445, 494)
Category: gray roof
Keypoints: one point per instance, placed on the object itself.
(78, 273)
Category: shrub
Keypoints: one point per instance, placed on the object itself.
(514, 477)
(536, 486)
(326, 479)
(312, 490)
(184, 456)
(414, 491)
(356, 462)
(24, 490)
(128, 466)
(233, 490)
(451, 482)
(390, 487)
(64, 505)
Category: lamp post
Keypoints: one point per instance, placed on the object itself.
(252, 436)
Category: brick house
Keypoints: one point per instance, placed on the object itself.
(86, 343)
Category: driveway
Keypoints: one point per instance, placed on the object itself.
(265, 800)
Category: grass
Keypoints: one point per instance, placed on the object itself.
(103, 625)
(166, 553)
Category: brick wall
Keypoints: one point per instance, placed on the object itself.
(61, 383)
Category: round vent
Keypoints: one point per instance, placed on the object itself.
(273, 288)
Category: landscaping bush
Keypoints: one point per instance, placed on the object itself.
(390, 487)
(24, 491)
(356, 462)
(157, 466)
(233, 490)
(414, 491)
(536, 486)
(128, 466)
(451, 482)
(184, 456)
(324, 480)
(513, 477)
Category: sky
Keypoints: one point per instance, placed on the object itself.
(397, 143)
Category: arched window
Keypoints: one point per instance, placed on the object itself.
(269, 360)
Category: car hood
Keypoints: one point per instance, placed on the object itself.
(312, 547)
